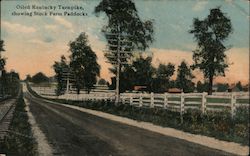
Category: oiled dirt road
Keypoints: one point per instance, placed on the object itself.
(72, 132)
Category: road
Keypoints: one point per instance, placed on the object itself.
(72, 132)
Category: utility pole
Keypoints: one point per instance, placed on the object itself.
(117, 99)
(67, 85)
(120, 49)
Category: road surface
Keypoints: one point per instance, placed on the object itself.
(72, 132)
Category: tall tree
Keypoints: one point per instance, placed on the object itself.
(60, 68)
(83, 62)
(123, 19)
(184, 78)
(210, 34)
(162, 80)
(201, 87)
(139, 73)
(143, 71)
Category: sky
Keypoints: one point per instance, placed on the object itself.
(33, 43)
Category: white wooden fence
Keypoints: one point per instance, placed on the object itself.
(174, 102)
(182, 102)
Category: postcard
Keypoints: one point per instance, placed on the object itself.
(124, 77)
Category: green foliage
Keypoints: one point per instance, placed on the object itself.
(83, 63)
(161, 82)
(239, 86)
(60, 68)
(222, 87)
(9, 83)
(102, 82)
(139, 73)
(123, 14)
(123, 18)
(143, 71)
(214, 124)
(201, 87)
(39, 78)
(210, 34)
(184, 78)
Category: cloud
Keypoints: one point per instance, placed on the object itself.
(199, 6)
(48, 39)
(51, 27)
(64, 22)
(16, 27)
(37, 41)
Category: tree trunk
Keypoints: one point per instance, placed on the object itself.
(210, 85)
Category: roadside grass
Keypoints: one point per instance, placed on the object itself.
(20, 140)
(219, 125)
(213, 124)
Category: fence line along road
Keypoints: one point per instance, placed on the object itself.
(175, 102)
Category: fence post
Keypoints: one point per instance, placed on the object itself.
(182, 106)
(165, 100)
(130, 99)
(140, 100)
(203, 103)
(233, 102)
(152, 100)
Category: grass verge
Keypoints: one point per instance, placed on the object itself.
(20, 140)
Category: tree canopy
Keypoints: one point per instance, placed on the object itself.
(40, 78)
(162, 80)
(123, 14)
(83, 62)
(210, 35)
(184, 78)
(60, 68)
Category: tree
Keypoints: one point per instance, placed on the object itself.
(162, 81)
(28, 78)
(60, 68)
(139, 73)
(83, 62)
(40, 78)
(123, 19)
(201, 87)
(102, 82)
(239, 86)
(184, 78)
(222, 87)
(210, 34)
(143, 71)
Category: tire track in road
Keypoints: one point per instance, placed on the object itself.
(44, 149)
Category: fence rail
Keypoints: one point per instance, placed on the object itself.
(175, 102)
